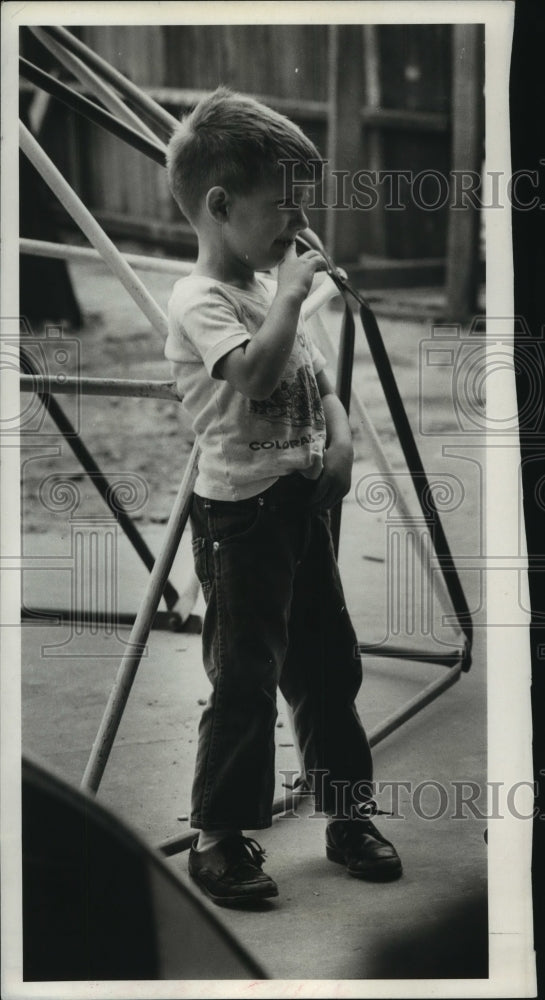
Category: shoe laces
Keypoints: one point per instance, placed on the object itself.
(371, 809)
(244, 853)
(256, 851)
(365, 811)
(300, 785)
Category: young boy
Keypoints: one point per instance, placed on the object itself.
(275, 456)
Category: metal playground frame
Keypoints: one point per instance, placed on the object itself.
(134, 117)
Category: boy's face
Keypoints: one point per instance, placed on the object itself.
(261, 226)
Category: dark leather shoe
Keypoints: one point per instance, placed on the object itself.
(231, 872)
(362, 848)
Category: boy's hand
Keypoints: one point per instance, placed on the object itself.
(334, 482)
(295, 273)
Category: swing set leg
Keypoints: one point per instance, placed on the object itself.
(140, 631)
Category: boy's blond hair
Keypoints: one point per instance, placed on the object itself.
(236, 142)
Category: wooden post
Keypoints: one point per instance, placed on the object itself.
(467, 155)
(344, 143)
(373, 228)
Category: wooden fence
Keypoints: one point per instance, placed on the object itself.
(390, 98)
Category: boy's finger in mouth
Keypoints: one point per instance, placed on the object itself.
(285, 244)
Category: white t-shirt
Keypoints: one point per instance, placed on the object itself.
(246, 445)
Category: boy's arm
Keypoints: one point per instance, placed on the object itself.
(334, 482)
(255, 368)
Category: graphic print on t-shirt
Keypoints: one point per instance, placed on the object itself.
(295, 401)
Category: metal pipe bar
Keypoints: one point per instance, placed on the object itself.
(83, 106)
(37, 110)
(345, 365)
(98, 480)
(177, 844)
(89, 226)
(406, 440)
(75, 385)
(63, 251)
(418, 473)
(93, 83)
(169, 621)
(140, 631)
(416, 704)
(321, 295)
(137, 97)
(409, 653)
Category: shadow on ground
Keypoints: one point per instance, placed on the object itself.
(453, 947)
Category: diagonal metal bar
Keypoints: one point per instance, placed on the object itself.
(407, 442)
(405, 504)
(130, 90)
(396, 652)
(140, 631)
(418, 473)
(345, 364)
(92, 111)
(416, 704)
(94, 233)
(109, 98)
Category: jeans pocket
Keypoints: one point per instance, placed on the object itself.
(233, 522)
(201, 559)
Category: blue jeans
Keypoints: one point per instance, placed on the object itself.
(275, 617)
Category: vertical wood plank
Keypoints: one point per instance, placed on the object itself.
(344, 138)
(373, 229)
(415, 66)
(105, 174)
(160, 196)
(137, 45)
(415, 73)
(467, 153)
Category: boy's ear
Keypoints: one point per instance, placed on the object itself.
(217, 204)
